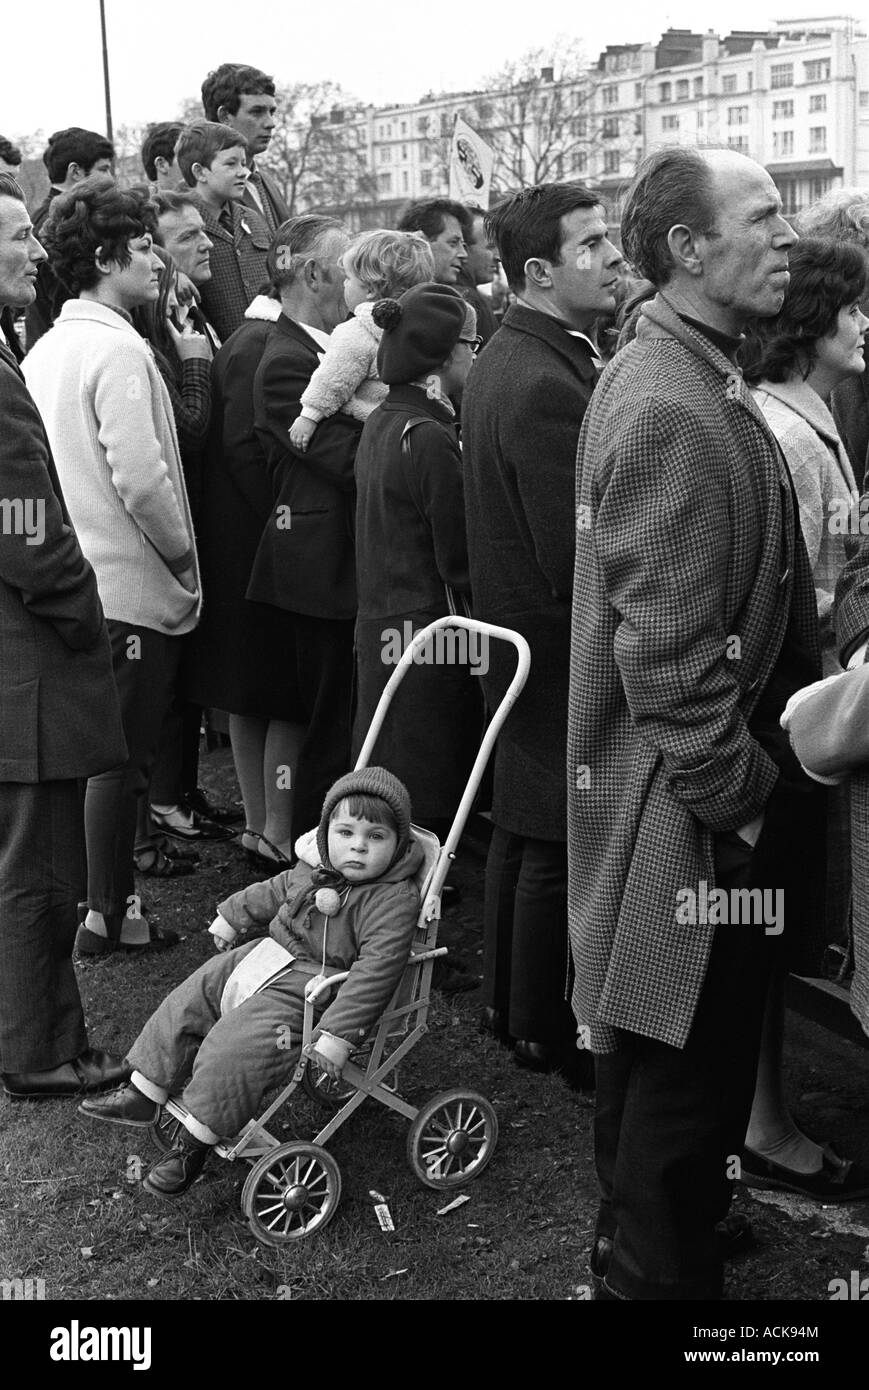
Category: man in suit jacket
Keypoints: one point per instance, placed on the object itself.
(244, 98)
(694, 620)
(523, 407)
(59, 722)
(305, 563)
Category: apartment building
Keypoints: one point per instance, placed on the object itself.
(795, 98)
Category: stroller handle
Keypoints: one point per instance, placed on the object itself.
(523, 665)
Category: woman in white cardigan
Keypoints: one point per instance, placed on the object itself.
(793, 362)
(109, 419)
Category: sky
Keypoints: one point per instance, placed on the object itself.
(385, 51)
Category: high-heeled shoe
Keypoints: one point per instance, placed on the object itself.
(276, 859)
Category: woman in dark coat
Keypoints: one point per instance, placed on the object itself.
(411, 551)
(241, 655)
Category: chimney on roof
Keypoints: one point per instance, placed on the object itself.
(547, 74)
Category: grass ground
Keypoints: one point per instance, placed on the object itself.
(73, 1213)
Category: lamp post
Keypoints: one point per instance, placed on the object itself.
(106, 72)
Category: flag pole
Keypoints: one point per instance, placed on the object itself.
(106, 72)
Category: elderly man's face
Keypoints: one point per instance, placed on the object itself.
(333, 275)
(183, 235)
(20, 255)
(745, 259)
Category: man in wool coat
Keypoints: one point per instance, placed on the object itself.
(523, 407)
(59, 722)
(693, 622)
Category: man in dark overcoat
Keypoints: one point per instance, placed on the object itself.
(59, 723)
(305, 563)
(695, 842)
(523, 408)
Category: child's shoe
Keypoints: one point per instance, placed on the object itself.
(177, 1170)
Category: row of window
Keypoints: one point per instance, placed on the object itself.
(780, 75)
(781, 110)
(384, 182)
(784, 110)
(783, 142)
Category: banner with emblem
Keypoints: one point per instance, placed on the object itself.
(471, 161)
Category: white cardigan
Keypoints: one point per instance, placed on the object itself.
(109, 420)
(346, 378)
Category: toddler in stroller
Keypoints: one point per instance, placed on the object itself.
(234, 1027)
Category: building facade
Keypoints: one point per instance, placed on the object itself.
(795, 98)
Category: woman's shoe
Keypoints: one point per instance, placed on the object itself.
(158, 939)
(274, 860)
(182, 824)
(158, 863)
(837, 1180)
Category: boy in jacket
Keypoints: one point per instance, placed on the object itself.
(354, 907)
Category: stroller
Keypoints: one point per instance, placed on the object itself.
(293, 1189)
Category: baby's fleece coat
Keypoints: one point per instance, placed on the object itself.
(370, 935)
(346, 378)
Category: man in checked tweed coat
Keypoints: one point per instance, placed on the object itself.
(693, 622)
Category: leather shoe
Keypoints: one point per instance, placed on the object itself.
(127, 1106)
(838, 1179)
(94, 1070)
(177, 1170)
(534, 1056)
(733, 1236)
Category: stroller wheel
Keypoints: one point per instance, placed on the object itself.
(291, 1192)
(165, 1130)
(452, 1139)
(319, 1086)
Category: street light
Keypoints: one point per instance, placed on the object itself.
(106, 73)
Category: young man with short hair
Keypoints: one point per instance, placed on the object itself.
(213, 161)
(521, 416)
(244, 99)
(447, 226)
(479, 269)
(70, 156)
(158, 154)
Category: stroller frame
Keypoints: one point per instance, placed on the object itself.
(293, 1188)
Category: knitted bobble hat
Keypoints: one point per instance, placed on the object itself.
(420, 330)
(367, 781)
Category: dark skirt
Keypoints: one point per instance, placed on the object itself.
(242, 659)
(435, 723)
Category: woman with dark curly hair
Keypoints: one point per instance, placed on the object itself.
(109, 419)
(793, 363)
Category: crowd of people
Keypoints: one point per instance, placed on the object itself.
(242, 450)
